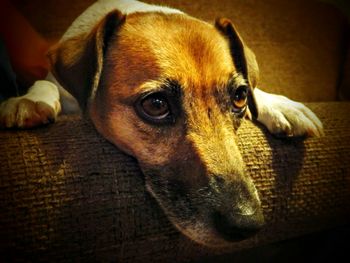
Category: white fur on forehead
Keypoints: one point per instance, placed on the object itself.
(90, 17)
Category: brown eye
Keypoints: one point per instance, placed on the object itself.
(240, 98)
(155, 108)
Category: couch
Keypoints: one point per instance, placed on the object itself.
(68, 195)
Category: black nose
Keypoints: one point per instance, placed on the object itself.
(236, 227)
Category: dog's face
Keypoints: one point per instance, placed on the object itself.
(171, 91)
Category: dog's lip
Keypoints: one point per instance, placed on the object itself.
(232, 232)
(245, 210)
(206, 230)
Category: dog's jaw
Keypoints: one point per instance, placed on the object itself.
(206, 215)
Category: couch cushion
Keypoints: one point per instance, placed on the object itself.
(298, 44)
(344, 90)
(68, 195)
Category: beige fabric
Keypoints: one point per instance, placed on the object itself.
(344, 91)
(68, 195)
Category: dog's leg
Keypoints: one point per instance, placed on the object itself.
(286, 117)
(69, 104)
(40, 105)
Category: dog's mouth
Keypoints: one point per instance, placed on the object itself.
(232, 231)
(209, 217)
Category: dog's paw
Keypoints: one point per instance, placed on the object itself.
(24, 113)
(39, 106)
(285, 117)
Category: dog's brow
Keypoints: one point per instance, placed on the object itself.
(236, 80)
(170, 86)
(173, 87)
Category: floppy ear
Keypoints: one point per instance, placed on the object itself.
(77, 62)
(243, 58)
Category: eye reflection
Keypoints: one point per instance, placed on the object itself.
(155, 106)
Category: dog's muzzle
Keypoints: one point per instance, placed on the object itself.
(238, 214)
(215, 214)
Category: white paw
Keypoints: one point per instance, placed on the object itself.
(39, 106)
(285, 117)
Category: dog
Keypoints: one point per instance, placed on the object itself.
(170, 90)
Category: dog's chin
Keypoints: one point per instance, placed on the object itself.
(203, 234)
(196, 223)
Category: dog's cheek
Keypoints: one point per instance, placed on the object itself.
(113, 126)
(120, 125)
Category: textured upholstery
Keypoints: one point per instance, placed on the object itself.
(67, 194)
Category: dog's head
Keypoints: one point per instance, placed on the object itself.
(171, 91)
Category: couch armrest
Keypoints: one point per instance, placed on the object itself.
(67, 194)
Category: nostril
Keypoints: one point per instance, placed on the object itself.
(236, 227)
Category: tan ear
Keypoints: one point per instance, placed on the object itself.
(243, 58)
(77, 62)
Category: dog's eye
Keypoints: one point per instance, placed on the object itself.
(155, 108)
(239, 98)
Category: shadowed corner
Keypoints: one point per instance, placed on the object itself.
(285, 161)
(94, 206)
(107, 204)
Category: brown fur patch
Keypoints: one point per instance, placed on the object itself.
(77, 62)
(188, 50)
